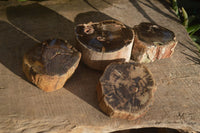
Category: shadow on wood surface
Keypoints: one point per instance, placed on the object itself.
(87, 2)
(149, 130)
(40, 22)
(13, 45)
(155, 8)
(83, 84)
(167, 6)
(194, 59)
(91, 16)
(141, 10)
(150, 4)
(101, 4)
(35, 20)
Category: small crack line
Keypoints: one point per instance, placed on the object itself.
(184, 77)
(25, 33)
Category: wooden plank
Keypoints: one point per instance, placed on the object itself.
(26, 109)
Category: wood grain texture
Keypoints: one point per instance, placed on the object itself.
(126, 90)
(75, 107)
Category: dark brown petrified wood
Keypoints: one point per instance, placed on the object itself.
(152, 42)
(48, 65)
(104, 42)
(125, 90)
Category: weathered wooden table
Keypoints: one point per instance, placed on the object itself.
(26, 109)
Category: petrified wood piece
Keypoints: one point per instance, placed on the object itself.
(152, 42)
(48, 65)
(125, 90)
(104, 42)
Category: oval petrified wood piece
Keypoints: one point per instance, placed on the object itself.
(125, 90)
(104, 42)
(152, 42)
(48, 65)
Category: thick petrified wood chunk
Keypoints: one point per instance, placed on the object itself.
(152, 42)
(125, 90)
(48, 65)
(104, 42)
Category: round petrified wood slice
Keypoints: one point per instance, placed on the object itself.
(48, 65)
(125, 90)
(152, 42)
(104, 42)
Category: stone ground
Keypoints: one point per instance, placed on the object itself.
(74, 108)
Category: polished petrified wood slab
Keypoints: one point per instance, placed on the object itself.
(50, 64)
(152, 42)
(104, 42)
(126, 90)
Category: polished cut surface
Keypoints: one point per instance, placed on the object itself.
(152, 33)
(126, 90)
(104, 36)
(52, 57)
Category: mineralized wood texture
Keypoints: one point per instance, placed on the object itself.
(50, 64)
(104, 42)
(126, 90)
(26, 109)
(152, 42)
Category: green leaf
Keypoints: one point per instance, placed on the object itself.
(22, 0)
(192, 29)
(175, 7)
(195, 38)
(185, 17)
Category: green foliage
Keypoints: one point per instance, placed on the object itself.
(186, 21)
(185, 17)
(192, 29)
(195, 38)
(22, 0)
(175, 7)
